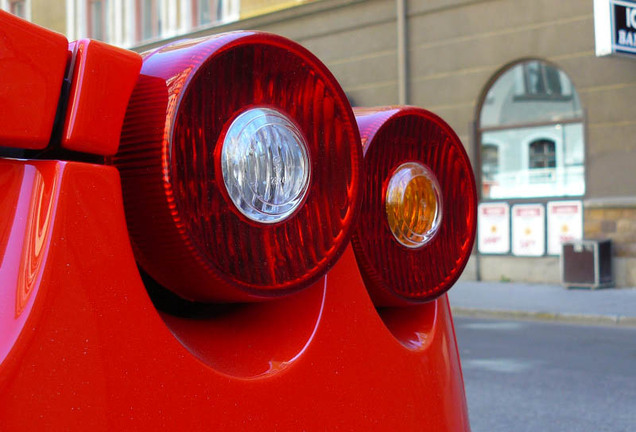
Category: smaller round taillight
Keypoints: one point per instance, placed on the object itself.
(241, 168)
(418, 219)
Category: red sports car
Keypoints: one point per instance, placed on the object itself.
(208, 237)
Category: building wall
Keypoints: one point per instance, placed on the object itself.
(46, 13)
(50, 14)
(251, 8)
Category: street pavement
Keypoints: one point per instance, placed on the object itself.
(528, 376)
(510, 300)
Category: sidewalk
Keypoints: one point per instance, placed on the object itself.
(613, 306)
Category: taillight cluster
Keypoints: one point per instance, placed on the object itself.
(242, 173)
(241, 167)
(418, 220)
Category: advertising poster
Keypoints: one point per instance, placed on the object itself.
(565, 223)
(493, 227)
(528, 230)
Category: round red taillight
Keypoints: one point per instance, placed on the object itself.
(241, 164)
(418, 219)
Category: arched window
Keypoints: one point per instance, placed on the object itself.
(542, 161)
(533, 113)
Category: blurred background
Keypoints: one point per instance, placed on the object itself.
(540, 92)
(542, 95)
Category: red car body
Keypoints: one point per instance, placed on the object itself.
(82, 347)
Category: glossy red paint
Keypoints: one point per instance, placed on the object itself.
(94, 353)
(32, 65)
(102, 80)
(82, 346)
(25, 225)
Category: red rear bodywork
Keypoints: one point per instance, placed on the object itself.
(83, 347)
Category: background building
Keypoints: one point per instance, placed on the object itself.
(128, 23)
(549, 125)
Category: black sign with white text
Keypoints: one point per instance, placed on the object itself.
(615, 27)
(624, 27)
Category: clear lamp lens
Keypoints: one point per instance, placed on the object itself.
(265, 165)
(413, 204)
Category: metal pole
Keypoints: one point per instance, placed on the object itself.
(402, 52)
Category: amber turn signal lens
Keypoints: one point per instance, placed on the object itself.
(413, 204)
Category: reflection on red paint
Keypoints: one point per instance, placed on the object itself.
(35, 238)
(26, 217)
(275, 337)
(91, 351)
(10, 179)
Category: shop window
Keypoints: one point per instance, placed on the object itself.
(533, 113)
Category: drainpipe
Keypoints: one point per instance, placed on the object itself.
(402, 52)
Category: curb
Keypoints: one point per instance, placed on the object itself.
(616, 320)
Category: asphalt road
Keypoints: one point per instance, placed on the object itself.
(535, 376)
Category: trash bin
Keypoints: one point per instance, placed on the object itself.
(587, 264)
